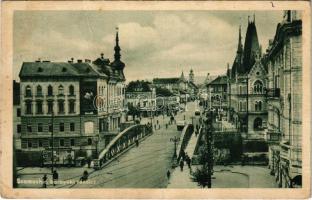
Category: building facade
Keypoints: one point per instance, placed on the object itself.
(247, 82)
(217, 94)
(16, 115)
(70, 106)
(284, 132)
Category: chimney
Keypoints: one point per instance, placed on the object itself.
(79, 61)
(70, 61)
(39, 60)
(46, 61)
(87, 60)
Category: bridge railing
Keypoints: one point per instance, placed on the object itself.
(184, 139)
(121, 142)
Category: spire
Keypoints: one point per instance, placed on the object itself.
(254, 18)
(117, 48)
(182, 75)
(240, 45)
(191, 76)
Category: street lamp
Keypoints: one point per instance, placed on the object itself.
(175, 140)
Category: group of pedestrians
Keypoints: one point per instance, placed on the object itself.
(185, 158)
(55, 177)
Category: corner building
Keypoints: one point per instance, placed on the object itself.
(80, 103)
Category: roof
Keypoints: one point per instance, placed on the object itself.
(193, 84)
(166, 80)
(220, 80)
(58, 69)
(163, 92)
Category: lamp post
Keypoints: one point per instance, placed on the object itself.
(175, 140)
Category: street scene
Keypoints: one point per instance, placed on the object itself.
(157, 99)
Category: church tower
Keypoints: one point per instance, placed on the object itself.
(191, 76)
(251, 47)
(117, 63)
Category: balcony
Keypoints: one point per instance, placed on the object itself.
(273, 136)
(273, 93)
(71, 96)
(50, 97)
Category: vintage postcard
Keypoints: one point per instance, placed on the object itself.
(155, 99)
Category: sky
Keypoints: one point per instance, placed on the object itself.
(153, 43)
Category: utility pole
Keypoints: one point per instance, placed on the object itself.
(209, 163)
(175, 140)
(52, 147)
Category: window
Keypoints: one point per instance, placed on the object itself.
(50, 143)
(62, 127)
(50, 90)
(258, 106)
(61, 90)
(39, 90)
(72, 126)
(258, 123)
(71, 106)
(258, 86)
(18, 112)
(89, 141)
(61, 106)
(61, 142)
(50, 128)
(71, 90)
(28, 91)
(28, 107)
(29, 144)
(50, 107)
(29, 128)
(40, 129)
(39, 107)
(18, 128)
(72, 142)
(40, 143)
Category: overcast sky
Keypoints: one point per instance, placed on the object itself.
(154, 44)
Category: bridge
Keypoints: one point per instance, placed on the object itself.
(122, 142)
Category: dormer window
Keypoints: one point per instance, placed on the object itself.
(87, 70)
(39, 69)
(28, 91)
(64, 69)
(61, 90)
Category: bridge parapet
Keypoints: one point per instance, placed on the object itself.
(184, 138)
(124, 140)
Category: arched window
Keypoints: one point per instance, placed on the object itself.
(28, 91)
(258, 123)
(258, 86)
(71, 90)
(39, 90)
(50, 90)
(61, 90)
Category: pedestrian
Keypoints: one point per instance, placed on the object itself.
(89, 162)
(44, 180)
(166, 126)
(181, 164)
(168, 174)
(188, 161)
(137, 142)
(84, 176)
(55, 177)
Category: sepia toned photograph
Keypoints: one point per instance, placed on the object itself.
(157, 99)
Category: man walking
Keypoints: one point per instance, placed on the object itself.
(181, 164)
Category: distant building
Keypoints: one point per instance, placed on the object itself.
(141, 98)
(284, 96)
(191, 76)
(178, 86)
(247, 85)
(79, 102)
(167, 102)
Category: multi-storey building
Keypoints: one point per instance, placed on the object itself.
(70, 106)
(217, 94)
(247, 83)
(284, 132)
(141, 96)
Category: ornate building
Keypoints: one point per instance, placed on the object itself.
(284, 133)
(247, 83)
(217, 94)
(70, 106)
